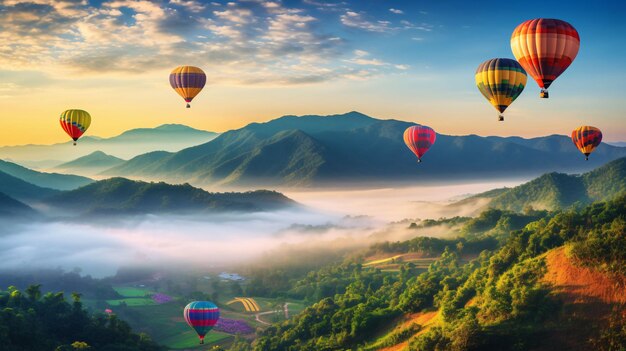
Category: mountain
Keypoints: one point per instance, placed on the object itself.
(168, 137)
(10, 207)
(353, 148)
(124, 196)
(43, 179)
(93, 163)
(557, 190)
(21, 190)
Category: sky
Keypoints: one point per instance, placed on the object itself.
(408, 60)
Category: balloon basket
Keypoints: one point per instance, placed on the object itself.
(500, 118)
(544, 94)
(188, 106)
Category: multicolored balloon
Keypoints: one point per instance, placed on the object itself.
(501, 81)
(202, 317)
(586, 139)
(75, 123)
(188, 81)
(545, 48)
(419, 139)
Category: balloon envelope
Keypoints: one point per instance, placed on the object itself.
(187, 81)
(501, 81)
(545, 48)
(419, 139)
(75, 123)
(201, 316)
(586, 139)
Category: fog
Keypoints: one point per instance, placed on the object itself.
(329, 218)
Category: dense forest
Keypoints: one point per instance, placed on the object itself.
(496, 300)
(30, 320)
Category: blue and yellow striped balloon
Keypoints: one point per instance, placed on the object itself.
(501, 81)
(187, 81)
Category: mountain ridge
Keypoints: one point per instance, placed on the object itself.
(357, 148)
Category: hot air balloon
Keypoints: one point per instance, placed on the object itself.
(545, 48)
(201, 316)
(501, 81)
(75, 123)
(419, 139)
(586, 139)
(188, 81)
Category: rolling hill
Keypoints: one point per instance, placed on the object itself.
(9, 207)
(43, 179)
(22, 190)
(123, 196)
(353, 148)
(93, 163)
(168, 137)
(557, 190)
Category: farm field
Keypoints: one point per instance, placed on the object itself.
(164, 322)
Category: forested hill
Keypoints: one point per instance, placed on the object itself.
(124, 196)
(554, 191)
(489, 289)
(32, 322)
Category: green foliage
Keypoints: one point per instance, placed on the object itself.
(511, 306)
(555, 191)
(30, 321)
(124, 196)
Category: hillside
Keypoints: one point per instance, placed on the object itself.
(168, 137)
(43, 179)
(9, 207)
(123, 196)
(93, 163)
(21, 190)
(555, 284)
(556, 190)
(354, 148)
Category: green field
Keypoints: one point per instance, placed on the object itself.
(129, 291)
(137, 301)
(165, 323)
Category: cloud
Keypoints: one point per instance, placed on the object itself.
(422, 26)
(357, 20)
(396, 11)
(191, 5)
(243, 42)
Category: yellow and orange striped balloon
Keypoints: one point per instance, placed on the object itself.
(586, 139)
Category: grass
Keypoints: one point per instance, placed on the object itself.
(136, 301)
(128, 291)
(382, 260)
(189, 339)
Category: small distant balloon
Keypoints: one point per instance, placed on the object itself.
(108, 311)
(501, 81)
(187, 81)
(586, 139)
(419, 139)
(545, 48)
(75, 123)
(202, 317)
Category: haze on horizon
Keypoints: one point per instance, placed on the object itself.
(264, 59)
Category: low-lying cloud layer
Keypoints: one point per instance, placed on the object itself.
(349, 218)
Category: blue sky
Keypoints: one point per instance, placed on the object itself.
(412, 60)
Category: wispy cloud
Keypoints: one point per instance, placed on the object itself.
(396, 11)
(251, 41)
(358, 20)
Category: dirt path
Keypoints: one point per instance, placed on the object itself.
(257, 316)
